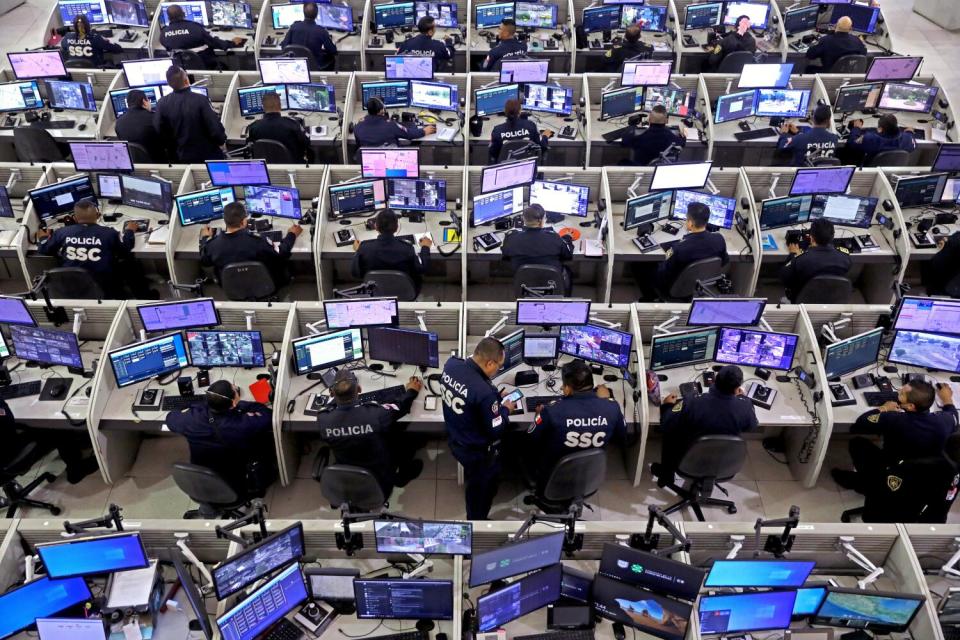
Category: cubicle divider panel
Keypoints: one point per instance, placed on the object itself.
(18, 178)
(635, 449)
(288, 455)
(11, 555)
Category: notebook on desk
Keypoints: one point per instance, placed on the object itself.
(159, 235)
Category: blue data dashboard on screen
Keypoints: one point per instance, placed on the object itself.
(392, 94)
(19, 608)
(146, 360)
(266, 605)
(746, 612)
(93, 556)
(759, 573)
(490, 15)
(490, 101)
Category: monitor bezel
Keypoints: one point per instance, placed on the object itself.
(873, 63)
(75, 343)
(337, 27)
(192, 594)
(933, 167)
(100, 143)
(59, 53)
(115, 93)
(119, 534)
(454, 89)
(36, 84)
(659, 167)
(92, 622)
(729, 96)
(742, 561)
(140, 343)
(896, 317)
(664, 216)
(792, 114)
(528, 61)
(330, 571)
(748, 594)
(595, 361)
(901, 109)
(554, 14)
(793, 358)
(827, 349)
(327, 303)
(292, 190)
(709, 356)
(316, 336)
(342, 186)
(511, 545)
(378, 26)
(501, 165)
(216, 313)
(251, 161)
(796, 11)
(754, 323)
(406, 55)
(176, 204)
(528, 107)
(405, 330)
(421, 522)
(241, 91)
(543, 335)
(25, 307)
(247, 551)
(166, 188)
(883, 628)
(634, 89)
(50, 187)
(476, 92)
(47, 82)
(521, 301)
(504, 368)
(249, 12)
(331, 90)
(380, 82)
(808, 587)
(478, 7)
(875, 20)
(852, 169)
(766, 22)
(89, 596)
(890, 357)
(358, 583)
(227, 616)
(728, 201)
(441, 207)
(402, 150)
(649, 63)
(273, 13)
(125, 63)
(702, 4)
(511, 616)
(260, 62)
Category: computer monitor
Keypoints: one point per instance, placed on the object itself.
(441, 96)
(593, 343)
(490, 207)
(76, 96)
(251, 617)
(152, 358)
(404, 346)
(71, 628)
(647, 209)
(515, 558)
(677, 102)
(822, 181)
(94, 10)
(561, 198)
(236, 15)
(918, 191)
(192, 594)
(128, 13)
(524, 596)
(313, 98)
(417, 194)
(379, 162)
(766, 610)
(193, 10)
(178, 314)
(108, 186)
(857, 97)
(649, 17)
(721, 208)
(285, 15)
(765, 76)
(540, 347)
(886, 68)
(20, 96)
(934, 315)
(258, 561)
(444, 14)
(46, 346)
(314, 353)
(331, 584)
(512, 71)
(357, 197)
(233, 173)
(46, 63)
(897, 96)
(398, 599)
(684, 175)
(284, 70)
(738, 312)
(702, 16)
(278, 202)
(393, 93)
(849, 211)
(656, 573)
(199, 207)
(336, 17)
(756, 348)
(621, 102)
(785, 212)
(405, 67)
(535, 15)
(152, 71)
(94, 555)
(948, 158)
(361, 312)
(6, 209)
(808, 601)
(118, 98)
(512, 351)
(846, 356)
(59, 198)
(735, 106)
(602, 18)
(814, 2)
(782, 574)
(653, 614)
(864, 18)
(488, 102)
(419, 536)
(152, 194)
(552, 312)
(21, 606)
(491, 15)
(250, 99)
(101, 156)
(576, 586)
(646, 74)
(547, 98)
(508, 174)
(800, 20)
(210, 349)
(920, 349)
(15, 311)
(758, 12)
(877, 611)
(683, 348)
(783, 103)
(394, 15)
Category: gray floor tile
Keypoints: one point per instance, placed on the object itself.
(157, 455)
(86, 499)
(150, 498)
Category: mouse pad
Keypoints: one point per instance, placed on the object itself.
(49, 382)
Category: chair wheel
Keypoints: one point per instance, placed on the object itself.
(528, 500)
(844, 518)
(55, 511)
(731, 509)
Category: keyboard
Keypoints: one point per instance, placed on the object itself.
(21, 390)
(616, 134)
(754, 134)
(179, 403)
(273, 236)
(383, 396)
(284, 630)
(533, 401)
(406, 635)
(877, 398)
(58, 124)
(575, 634)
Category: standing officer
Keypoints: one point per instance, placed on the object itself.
(720, 411)
(425, 45)
(698, 244)
(741, 39)
(656, 139)
(287, 131)
(508, 47)
(632, 47)
(886, 137)
(515, 128)
(908, 428)
(186, 120)
(307, 33)
(944, 266)
(475, 418)
(834, 46)
(377, 130)
(86, 44)
(536, 245)
(231, 437)
(371, 435)
(820, 259)
(181, 33)
(387, 252)
(137, 125)
(814, 143)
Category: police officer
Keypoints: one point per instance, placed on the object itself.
(188, 123)
(180, 33)
(886, 137)
(820, 259)
(656, 139)
(515, 128)
(813, 144)
(583, 418)
(722, 410)
(536, 245)
(138, 125)
(377, 130)
(834, 46)
(307, 33)
(85, 44)
(371, 435)
(475, 418)
(508, 47)
(90, 246)
(632, 47)
(698, 244)
(908, 428)
(740, 39)
(287, 131)
(231, 437)
(944, 266)
(425, 45)
(389, 253)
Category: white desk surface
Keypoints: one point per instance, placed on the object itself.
(189, 245)
(570, 221)
(86, 119)
(236, 126)
(360, 112)
(431, 224)
(881, 254)
(344, 41)
(947, 229)
(625, 248)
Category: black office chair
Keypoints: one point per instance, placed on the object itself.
(826, 162)
(826, 290)
(189, 60)
(214, 497)
(139, 154)
(79, 63)
(20, 458)
(734, 62)
(920, 490)
(953, 287)
(670, 155)
(852, 63)
(352, 487)
(574, 478)
(519, 150)
(247, 281)
(72, 283)
(273, 152)
(300, 51)
(33, 144)
(709, 461)
(685, 286)
(539, 280)
(893, 158)
(392, 283)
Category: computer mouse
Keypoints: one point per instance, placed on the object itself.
(936, 231)
(618, 631)
(56, 389)
(81, 127)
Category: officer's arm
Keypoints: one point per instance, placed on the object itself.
(286, 245)
(356, 266)
(410, 133)
(206, 259)
(327, 43)
(214, 42)
(951, 411)
(753, 423)
(535, 136)
(102, 43)
(724, 256)
(423, 264)
(670, 413)
(788, 274)
(257, 418)
(631, 138)
(125, 242)
(495, 145)
(494, 416)
(488, 62)
(214, 127)
(620, 427)
(51, 246)
(566, 249)
(393, 415)
(286, 38)
(871, 422)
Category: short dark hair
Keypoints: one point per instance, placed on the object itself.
(659, 108)
(425, 24)
(632, 34)
(271, 101)
(822, 114)
(921, 394)
(175, 12)
(176, 77)
(374, 106)
(345, 387)
(310, 11)
(220, 396)
(699, 214)
(135, 98)
(510, 24)
(489, 349)
(888, 123)
(821, 230)
(85, 208)
(234, 214)
(387, 222)
(743, 17)
(577, 375)
(729, 379)
(511, 108)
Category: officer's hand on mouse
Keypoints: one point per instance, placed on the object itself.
(547, 133)
(238, 41)
(603, 391)
(945, 393)
(793, 248)
(738, 392)
(414, 384)
(941, 242)
(206, 231)
(426, 242)
(430, 129)
(356, 245)
(891, 405)
(296, 230)
(131, 226)
(670, 399)
(43, 234)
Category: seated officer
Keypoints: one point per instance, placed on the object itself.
(389, 253)
(536, 245)
(722, 410)
(632, 47)
(515, 128)
(307, 33)
(908, 428)
(813, 144)
(371, 435)
(834, 46)
(656, 139)
(696, 245)
(886, 137)
(237, 244)
(85, 44)
(820, 259)
(944, 266)
(425, 45)
(231, 437)
(181, 33)
(91, 246)
(287, 131)
(377, 129)
(740, 39)
(508, 47)
(137, 125)
(188, 123)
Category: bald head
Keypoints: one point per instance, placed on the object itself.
(845, 24)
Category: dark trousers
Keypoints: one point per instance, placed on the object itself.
(481, 478)
(645, 273)
(869, 461)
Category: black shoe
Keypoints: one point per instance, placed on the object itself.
(76, 473)
(663, 479)
(845, 479)
(408, 472)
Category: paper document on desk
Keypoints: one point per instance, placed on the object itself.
(938, 135)
(131, 588)
(693, 134)
(159, 235)
(661, 46)
(419, 236)
(592, 248)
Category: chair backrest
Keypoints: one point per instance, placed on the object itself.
(576, 476)
(714, 457)
(33, 144)
(953, 287)
(518, 150)
(685, 286)
(919, 490)
(300, 51)
(79, 63)
(892, 158)
(186, 59)
(850, 63)
(734, 62)
(139, 153)
(826, 290)
(72, 282)
(203, 486)
(392, 283)
(537, 276)
(826, 162)
(273, 151)
(354, 486)
(249, 280)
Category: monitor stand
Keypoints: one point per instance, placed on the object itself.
(859, 634)
(425, 626)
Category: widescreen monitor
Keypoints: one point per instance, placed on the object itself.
(397, 599)
(738, 312)
(152, 194)
(21, 606)
(822, 181)
(332, 584)
(561, 198)
(390, 163)
(404, 346)
(6, 208)
(407, 67)
(864, 18)
(15, 311)
(417, 194)
(765, 76)
(179, 314)
(552, 313)
(76, 96)
(515, 558)
(46, 346)
(647, 209)
(357, 197)
(576, 586)
(703, 16)
(258, 561)
(336, 17)
(646, 74)
(235, 15)
(392, 93)
(849, 211)
(284, 70)
(877, 611)
(250, 99)
(677, 102)
(199, 207)
(920, 349)
(128, 13)
(192, 594)
(44, 63)
(782, 574)
(766, 610)
(857, 97)
(361, 312)
(393, 15)
(491, 15)
(524, 71)
(313, 98)
(884, 68)
(683, 348)
(440, 96)
(688, 175)
(621, 102)
(602, 18)
(948, 158)
(444, 14)
(94, 10)
(593, 343)
(897, 96)
(71, 629)
(918, 191)
(524, 596)
(547, 98)
(101, 156)
(653, 614)
(721, 208)
(210, 349)
(784, 212)
(846, 356)
(420, 536)
(94, 555)
(649, 17)
(152, 358)
(20, 96)
(541, 347)
(749, 347)
(735, 106)
(152, 71)
(782, 103)
(512, 351)
(758, 12)
(488, 102)
(118, 98)
(59, 198)
(318, 352)
(234, 173)
(802, 19)
(934, 315)
(491, 207)
(277, 202)
(535, 15)
(193, 10)
(251, 617)
(284, 15)
(656, 573)
(507, 175)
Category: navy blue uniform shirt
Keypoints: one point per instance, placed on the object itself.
(710, 414)
(511, 48)
(815, 261)
(93, 247)
(650, 143)
(387, 252)
(514, 129)
(474, 416)
(287, 131)
(871, 142)
(190, 126)
(307, 33)
(943, 267)
(909, 434)
(616, 56)
(693, 247)
(90, 48)
(242, 246)
(139, 125)
(809, 145)
(377, 131)
(834, 46)
(535, 245)
(424, 45)
(732, 43)
(186, 34)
